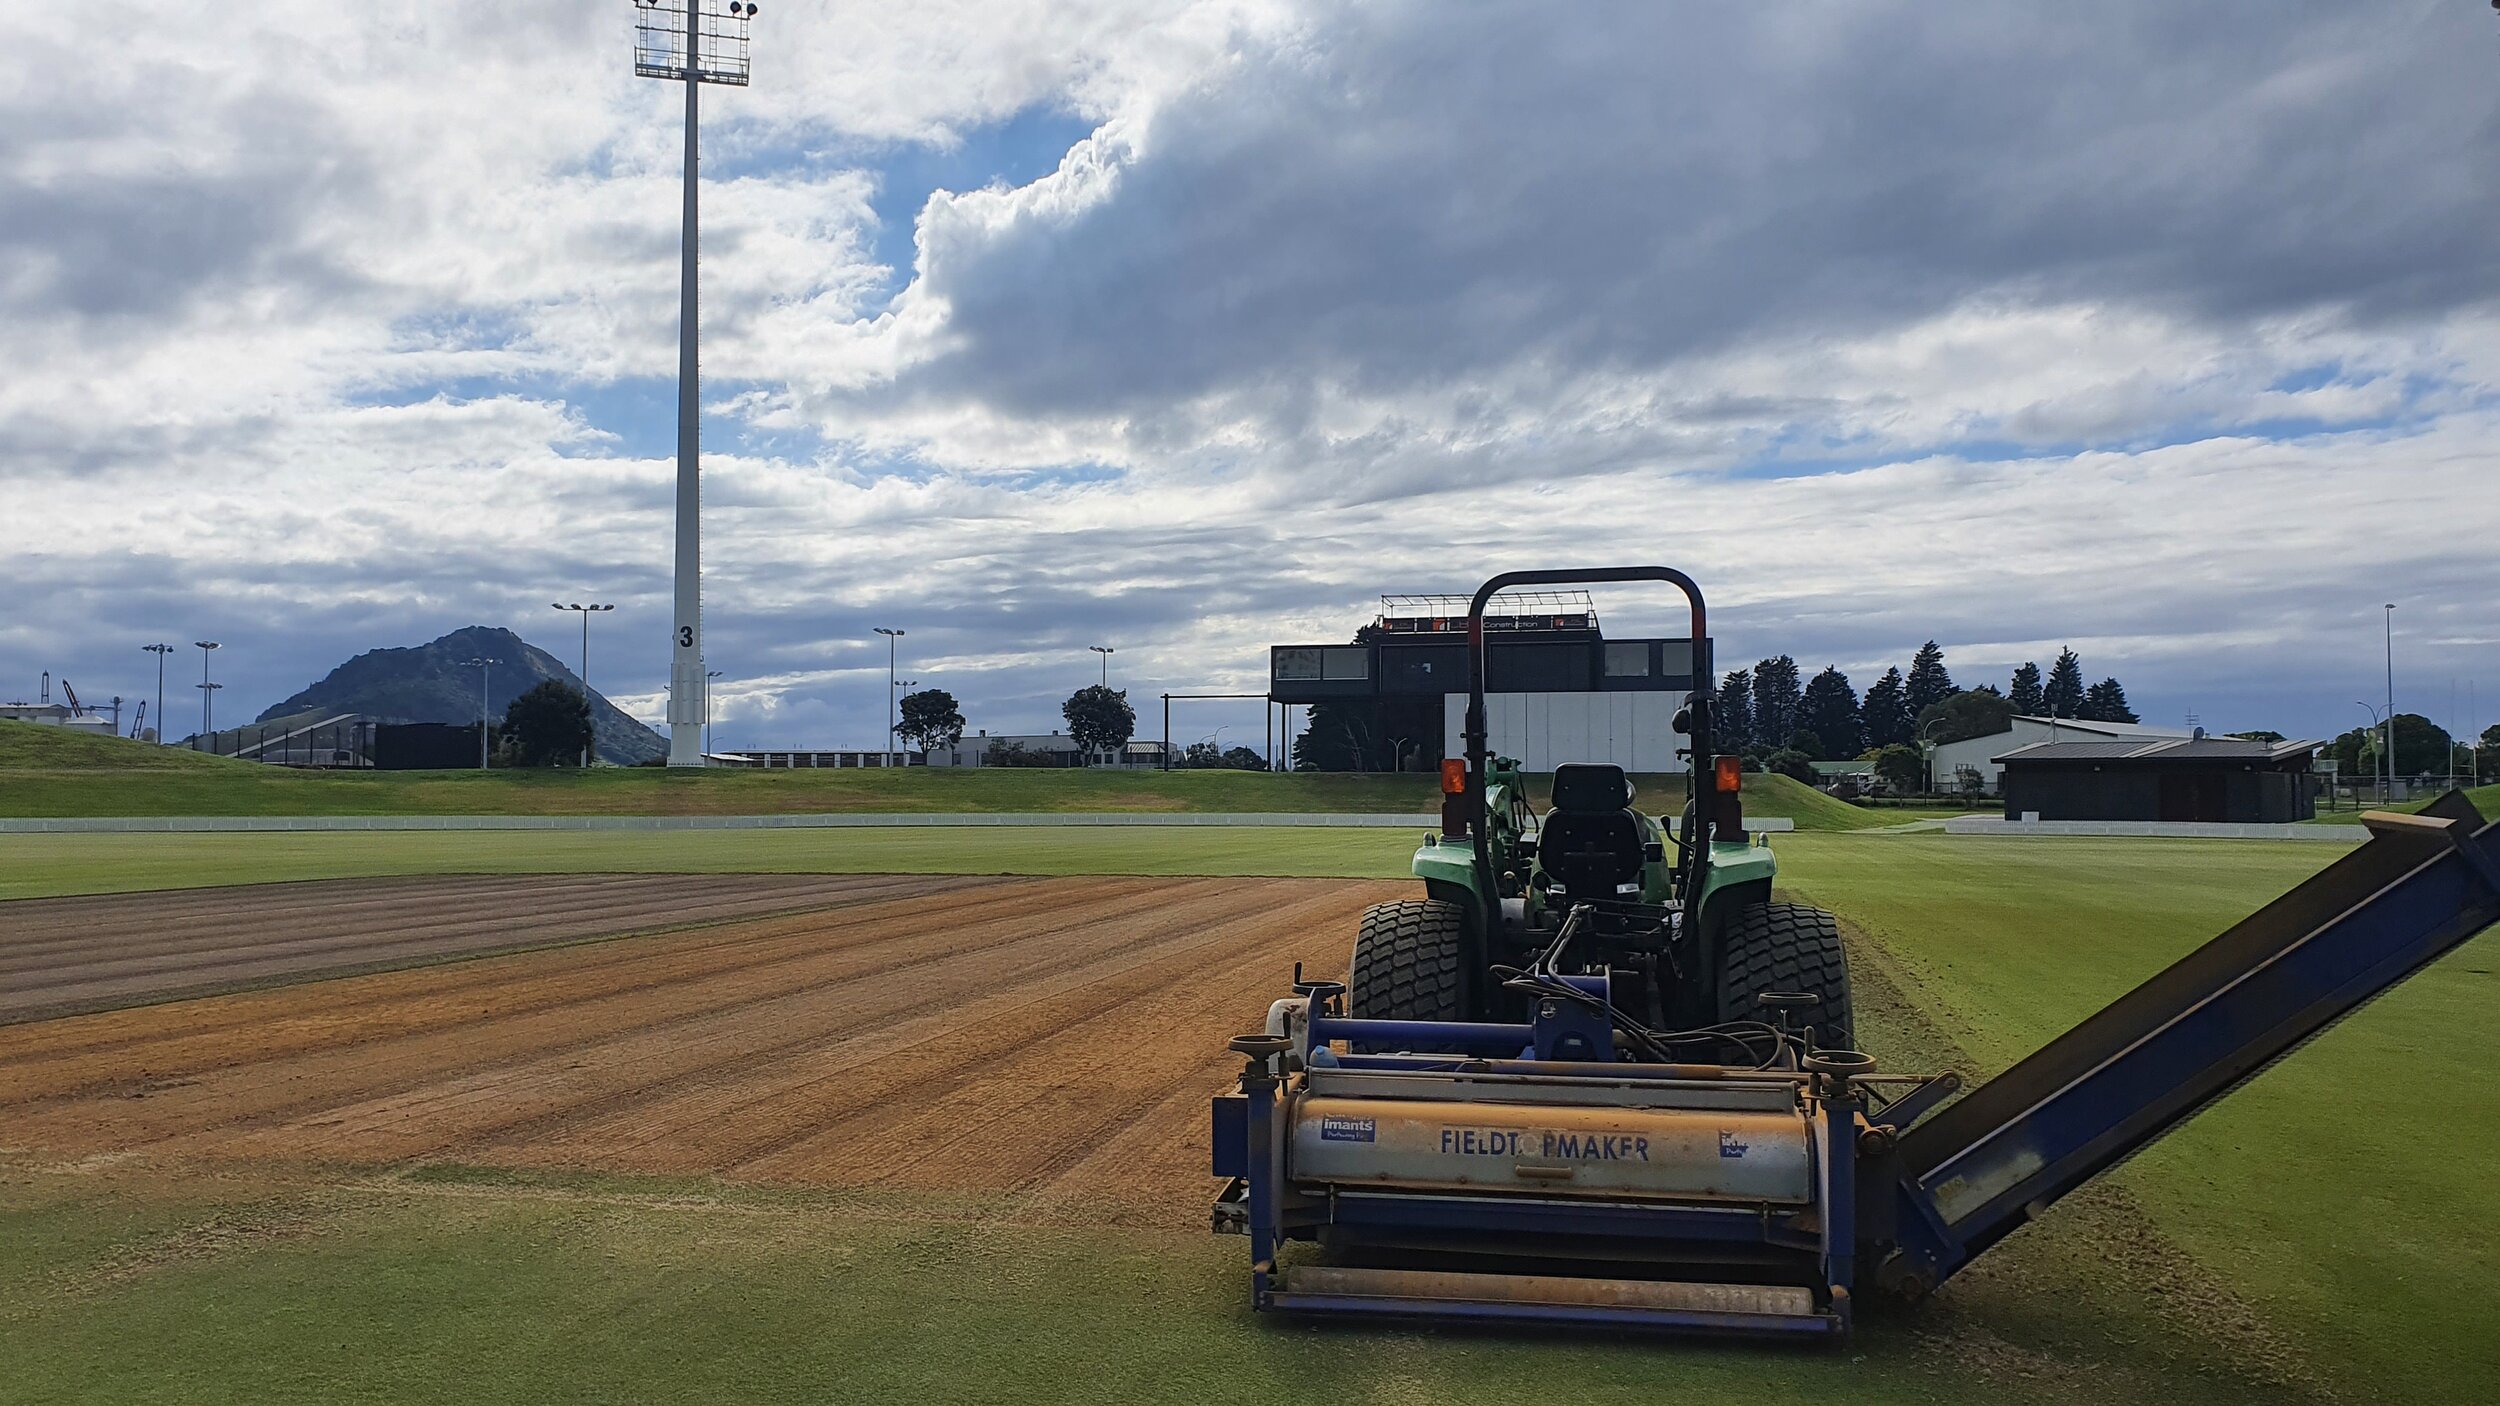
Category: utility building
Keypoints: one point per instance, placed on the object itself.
(2196, 778)
(1558, 689)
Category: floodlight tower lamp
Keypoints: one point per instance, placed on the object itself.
(693, 42)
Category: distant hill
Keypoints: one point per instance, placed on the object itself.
(428, 684)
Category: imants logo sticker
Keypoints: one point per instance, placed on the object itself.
(1730, 1145)
(1345, 1129)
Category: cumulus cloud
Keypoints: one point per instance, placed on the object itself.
(2165, 331)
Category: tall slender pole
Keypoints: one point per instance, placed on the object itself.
(685, 674)
(160, 651)
(2390, 617)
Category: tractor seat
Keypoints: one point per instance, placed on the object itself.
(1591, 841)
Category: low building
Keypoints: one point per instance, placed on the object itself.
(850, 757)
(2194, 778)
(1977, 755)
(61, 715)
(1051, 749)
(1557, 688)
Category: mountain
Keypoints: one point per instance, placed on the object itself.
(429, 684)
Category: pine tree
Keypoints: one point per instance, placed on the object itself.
(1829, 710)
(1731, 726)
(1928, 683)
(2063, 697)
(1886, 712)
(2027, 697)
(1775, 698)
(2106, 702)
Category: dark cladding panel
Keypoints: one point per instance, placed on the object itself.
(1538, 668)
(1423, 668)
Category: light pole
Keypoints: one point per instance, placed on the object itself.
(208, 692)
(890, 637)
(1106, 651)
(1927, 750)
(2378, 775)
(2389, 616)
(693, 42)
(485, 685)
(708, 676)
(160, 651)
(583, 674)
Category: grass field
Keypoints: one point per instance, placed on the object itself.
(2322, 1236)
(2485, 798)
(47, 771)
(2367, 1233)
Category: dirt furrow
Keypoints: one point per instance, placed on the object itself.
(670, 985)
(266, 1025)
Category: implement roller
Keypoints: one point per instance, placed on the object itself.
(1596, 1077)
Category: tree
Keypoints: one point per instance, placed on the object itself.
(931, 719)
(1829, 710)
(2487, 753)
(2063, 697)
(1928, 684)
(1731, 722)
(1886, 712)
(2421, 746)
(2106, 702)
(1791, 763)
(2028, 698)
(1239, 758)
(1776, 696)
(549, 725)
(2263, 734)
(1980, 712)
(1099, 718)
(1901, 768)
(1806, 745)
(1201, 756)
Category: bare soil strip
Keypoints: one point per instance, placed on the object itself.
(1055, 1037)
(67, 955)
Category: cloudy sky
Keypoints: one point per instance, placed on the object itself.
(2171, 333)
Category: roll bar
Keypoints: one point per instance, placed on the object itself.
(1478, 754)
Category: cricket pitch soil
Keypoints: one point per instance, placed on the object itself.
(1052, 1038)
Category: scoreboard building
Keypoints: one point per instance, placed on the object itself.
(1557, 690)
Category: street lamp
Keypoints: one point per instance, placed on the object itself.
(890, 637)
(160, 651)
(2379, 775)
(1106, 651)
(208, 693)
(707, 714)
(583, 674)
(485, 676)
(1927, 750)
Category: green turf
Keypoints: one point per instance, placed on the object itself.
(2346, 1191)
(48, 771)
(513, 1289)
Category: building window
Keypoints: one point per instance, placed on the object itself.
(1351, 663)
(1628, 661)
(1298, 665)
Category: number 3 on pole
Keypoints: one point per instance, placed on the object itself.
(685, 637)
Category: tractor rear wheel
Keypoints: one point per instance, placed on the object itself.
(1787, 947)
(1410, 962)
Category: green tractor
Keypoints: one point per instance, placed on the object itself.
(1682, 919)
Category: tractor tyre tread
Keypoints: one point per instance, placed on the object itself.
(1409, 962)
(1788, 947)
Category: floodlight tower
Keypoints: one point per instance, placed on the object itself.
(692, 42)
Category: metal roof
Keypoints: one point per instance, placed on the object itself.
(2163, 751)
